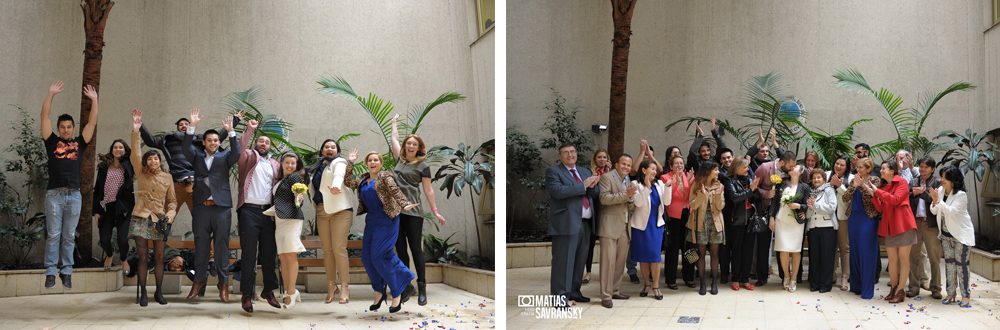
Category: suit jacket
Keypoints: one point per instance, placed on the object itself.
(218, 176)
(246, 164)
(566, 199)
(174, 137)
(932, 183)
(388, 192)
(124, 200)
(333, 175)
(764, 172)
(644, 202)
(284, 199)
(614, 205)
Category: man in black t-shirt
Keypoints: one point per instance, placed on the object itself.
(62, 197)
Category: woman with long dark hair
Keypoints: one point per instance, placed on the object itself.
(382, 200)
(155, 202)
(837, 177)
(951, 205)
(413, 175)
(741, 192)
(333, 214)
(113, 200)
(647, 225)
(898, 226)
(705, 222)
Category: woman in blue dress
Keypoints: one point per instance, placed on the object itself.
(862, 230)
(380, 197)
(647, 224)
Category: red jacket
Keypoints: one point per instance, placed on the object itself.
(893, 200)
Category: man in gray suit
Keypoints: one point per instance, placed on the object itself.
(213, 201)
(616, 197)
(571, 193)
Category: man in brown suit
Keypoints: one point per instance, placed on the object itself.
(616, 193)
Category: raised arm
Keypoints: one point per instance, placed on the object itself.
(248, 133)
(88, 131)
(136, 151)
(56, 88)
(150, 140)
(186, 147)
(718, 139)
(395, 137)
(643, 146)
(235, 153)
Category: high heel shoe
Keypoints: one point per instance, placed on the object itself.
(657, 294)
(948, 301)
(965, 304)
(644, 293)
(378, 304)
(784, 283)
(159, 298)
(407, 292)
(295, 297)
(125, 270)
(891, 294)
(107, 263)
(345, 296)
(331, 294)
(898, 296)
(844, 285)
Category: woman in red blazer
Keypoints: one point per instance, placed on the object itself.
(898, 226)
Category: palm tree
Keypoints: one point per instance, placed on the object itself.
(95, 17)
(907, 122)
(621, 12)
(379, 110)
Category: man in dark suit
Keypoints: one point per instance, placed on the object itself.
(572, 191)
(213, 201)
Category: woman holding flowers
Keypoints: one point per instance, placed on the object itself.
(288, 197)
(788, 218)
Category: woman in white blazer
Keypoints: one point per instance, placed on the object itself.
(647, 224)
(951, 205)
(334, 214)
(822, 228)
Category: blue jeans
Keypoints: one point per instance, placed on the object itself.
(62, 213)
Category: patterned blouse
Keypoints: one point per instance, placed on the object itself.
(114, 181)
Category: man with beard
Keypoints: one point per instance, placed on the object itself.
(213, 202)
(257, 175)
(759, 153)
(701, 151)
(779, 166)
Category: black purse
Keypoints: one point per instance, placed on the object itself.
(163, 227)
(757, 223)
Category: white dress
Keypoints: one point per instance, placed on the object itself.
(287, 233)
(788, 234)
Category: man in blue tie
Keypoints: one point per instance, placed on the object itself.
(571, 193)
(213, 200)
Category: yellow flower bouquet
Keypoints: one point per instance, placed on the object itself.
(775, 179)
(297, 189)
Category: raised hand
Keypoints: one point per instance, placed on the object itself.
(89, 91)
(56, 88)
(352, 155)
(239, 114)
(195, 116)
(934, 194)
(811, 202)
(713, 124)
(698, 129)
(760, 136)
(857, 181)
(755, 183)
(395, 118)
(136, 120)
(591, 181)
(334, 190)
(252, 123)
(643, 145)
(919, 190)
(408, 207)
(227, 123)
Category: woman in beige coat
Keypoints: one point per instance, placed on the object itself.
(705, 225)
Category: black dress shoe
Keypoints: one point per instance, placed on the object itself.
(50, 281)
(67, 281)
(580, 299)
(633, 278)
(271, 300)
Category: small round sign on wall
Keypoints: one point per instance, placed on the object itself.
(793, 108)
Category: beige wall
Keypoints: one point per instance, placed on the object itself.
(166, 57)
(691, 58)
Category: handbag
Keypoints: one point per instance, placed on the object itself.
(691, 255)
(757, 223)
(163, 227)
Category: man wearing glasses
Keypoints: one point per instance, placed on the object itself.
(572, 190)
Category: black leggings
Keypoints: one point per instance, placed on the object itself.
(106, 224)
(143, 249)
(741, 247)
(410, 232)
(674, 246)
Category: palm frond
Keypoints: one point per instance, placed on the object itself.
(759, 86)
(852, 80)
(337, 86)
(929, 100)
(417, 113)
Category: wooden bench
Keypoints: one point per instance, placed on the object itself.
(173, 286)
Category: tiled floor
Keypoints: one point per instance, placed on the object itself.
(768, 307)
(447, 306)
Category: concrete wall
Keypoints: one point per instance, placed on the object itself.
(691, 58)
(166, 57)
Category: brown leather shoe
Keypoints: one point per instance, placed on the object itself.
(224, 292)
(271, 300)
(195, 288)
(247, 301)
(897, 297)
(620, 296)
(936, 295)
(607, 303)
(892, 294)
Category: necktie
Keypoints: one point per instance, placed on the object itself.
(586, 202)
